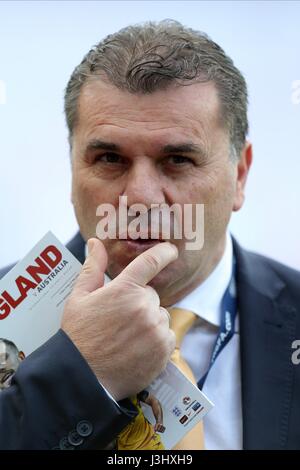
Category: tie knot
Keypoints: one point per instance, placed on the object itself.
(181, 321)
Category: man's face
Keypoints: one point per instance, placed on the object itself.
(9, 362)
(168, 147)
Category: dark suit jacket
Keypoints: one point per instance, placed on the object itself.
(47, 399)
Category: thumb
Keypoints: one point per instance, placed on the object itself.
(91, 276)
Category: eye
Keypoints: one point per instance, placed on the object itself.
(179, 160)
(109, 157)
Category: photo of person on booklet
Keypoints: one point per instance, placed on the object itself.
(140, 434)
(10, 359)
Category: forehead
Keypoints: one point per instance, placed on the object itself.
(2, 351)
(192, 110)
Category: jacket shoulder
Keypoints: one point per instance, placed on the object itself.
(6, 269)
(279, 268)
(264, 268)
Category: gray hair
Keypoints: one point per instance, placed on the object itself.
(151, 56)
(11, 348)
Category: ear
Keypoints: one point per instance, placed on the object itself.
(243, 168)
(72, 191)
(72, 184)
(21, 355)
(73, 152)
(72, 195)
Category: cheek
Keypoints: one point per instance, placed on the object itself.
(216, 191)
(89, 192)
(218, 207)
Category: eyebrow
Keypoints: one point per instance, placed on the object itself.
(97, 144)
(185, 147)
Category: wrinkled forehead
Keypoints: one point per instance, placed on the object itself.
(146, 122)
(195, 104)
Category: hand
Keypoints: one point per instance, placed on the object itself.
(120, 328)
(158, 427)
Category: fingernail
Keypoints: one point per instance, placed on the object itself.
(174, 247)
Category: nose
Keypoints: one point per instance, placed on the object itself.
(144, 184)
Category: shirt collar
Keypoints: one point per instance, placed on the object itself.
(205, 300)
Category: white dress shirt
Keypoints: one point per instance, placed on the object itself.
(223, 424)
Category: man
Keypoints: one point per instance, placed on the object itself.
(158, 113)
(140, 434)
(10, 359)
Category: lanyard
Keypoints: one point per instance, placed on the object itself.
(226, 331)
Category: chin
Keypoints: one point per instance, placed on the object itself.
(119, 256)
(163, 279)
(160, 282)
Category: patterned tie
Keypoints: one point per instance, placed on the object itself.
(181, 321)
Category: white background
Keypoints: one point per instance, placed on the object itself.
(42, 42)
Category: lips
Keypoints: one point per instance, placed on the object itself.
(139, 245)
(132, 246)
(143, 236)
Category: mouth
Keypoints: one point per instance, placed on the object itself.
(144, 242)
(5, 377)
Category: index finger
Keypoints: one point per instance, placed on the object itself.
(149, 263)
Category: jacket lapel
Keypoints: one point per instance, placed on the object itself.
(77, 247)
(267, 329)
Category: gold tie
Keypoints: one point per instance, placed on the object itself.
(181, 321)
